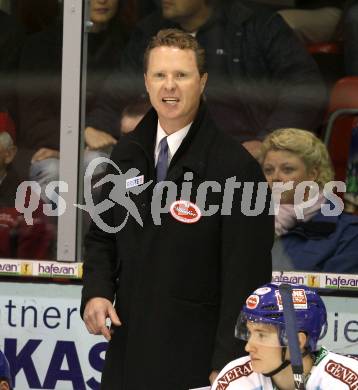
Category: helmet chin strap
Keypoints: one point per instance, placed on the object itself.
(285, 363)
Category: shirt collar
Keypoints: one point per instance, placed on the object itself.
(174, 140)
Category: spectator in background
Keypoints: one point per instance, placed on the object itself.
(132, 115)
(314, 21)
(261, 77)
(17, 238)
(39, 87)
(11, 41)
(317, 242)
(36, 15)
(5, 376)
(350, 36)
(9, 180)
(351, 195)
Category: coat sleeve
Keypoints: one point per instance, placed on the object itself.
(100, 266)
(245, 264)
(301, 94)
(345, 257)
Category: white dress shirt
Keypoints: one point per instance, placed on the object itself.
(174, 141)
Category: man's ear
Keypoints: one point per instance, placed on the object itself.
(203, 80)
(4, 385)
(145, 81)
(302, 340)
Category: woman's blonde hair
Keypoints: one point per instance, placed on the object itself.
(305, 145)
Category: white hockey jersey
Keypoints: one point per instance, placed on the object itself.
(330, 372)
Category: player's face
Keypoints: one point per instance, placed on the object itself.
(174, 86)
(284, 166)
(264, 347)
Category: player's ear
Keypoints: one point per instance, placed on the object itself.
(302, 340)
(4, 385)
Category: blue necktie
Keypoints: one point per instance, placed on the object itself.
(162, 163)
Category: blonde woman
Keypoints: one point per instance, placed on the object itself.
(316, 242)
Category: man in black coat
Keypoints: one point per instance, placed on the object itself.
(178, 273)
(261, 76)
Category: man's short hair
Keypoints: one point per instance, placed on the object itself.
(173, 37)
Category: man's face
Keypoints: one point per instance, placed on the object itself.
(174, 86)
(178, 10)
(6, 157)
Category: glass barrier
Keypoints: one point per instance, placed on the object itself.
(56, 122)
(249, 93)
(30, 97)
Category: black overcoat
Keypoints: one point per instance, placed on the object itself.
(178, 287)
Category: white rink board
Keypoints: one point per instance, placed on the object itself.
(58, 339)
(58, 353)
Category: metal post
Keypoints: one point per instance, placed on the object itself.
(70, 126)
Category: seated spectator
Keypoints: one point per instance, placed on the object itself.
(317, 242)
(314, 21)
(9, 180)
(132, 115)
(5, 376)
(17, 238)
(268, 366)
(350, 36)
(261, 76)
(39, 88)
(351, 195)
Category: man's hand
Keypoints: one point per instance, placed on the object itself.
(97, 139)
(213, 376)
(96, 312)
(44, 153)
(253, 147)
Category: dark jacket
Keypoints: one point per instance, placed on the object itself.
(8, 188)
(323, 244)
(39, 86)
(178, 287)
(11, 40)
(260, 76)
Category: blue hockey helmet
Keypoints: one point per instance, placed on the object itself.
(5, 369)
(264, 305)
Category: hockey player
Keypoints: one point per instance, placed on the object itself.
(267, 367)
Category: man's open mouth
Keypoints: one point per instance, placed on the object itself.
(170, 100)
